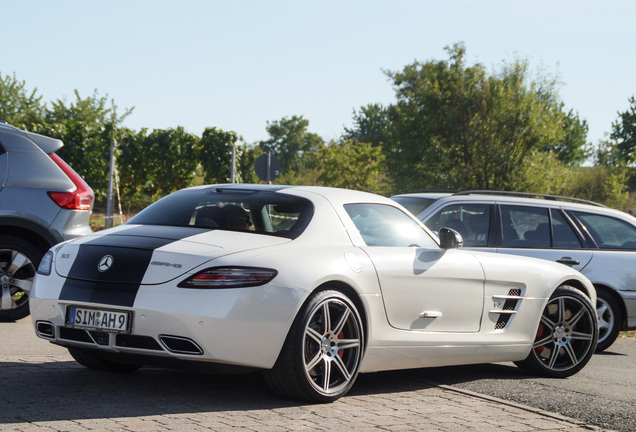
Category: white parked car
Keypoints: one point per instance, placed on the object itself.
(311, 285)
(596, 240)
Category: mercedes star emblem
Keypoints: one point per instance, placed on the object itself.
(105, 263)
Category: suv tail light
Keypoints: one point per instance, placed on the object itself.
(230, 277)
(79, 199)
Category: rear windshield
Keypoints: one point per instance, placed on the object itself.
(261, 212)
(415, 205)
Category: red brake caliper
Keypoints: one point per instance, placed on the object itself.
(539, 349)
(340, 336)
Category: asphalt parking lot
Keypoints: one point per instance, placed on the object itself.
(43, 389)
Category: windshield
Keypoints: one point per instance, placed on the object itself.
(262, 212)
(415, 205)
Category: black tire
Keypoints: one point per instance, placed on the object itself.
(92, 360)
(610, 319)
(323, 351)
(566, 337)
(19, 261)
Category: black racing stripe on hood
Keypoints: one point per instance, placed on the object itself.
(130, 251)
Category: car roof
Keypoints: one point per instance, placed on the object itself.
(332, 194)
(539, 200)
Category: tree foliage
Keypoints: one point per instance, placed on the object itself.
(624, 134)
(352, 165)
(292, 143)
(371, 125)
(215, 153)
(455, 126)
(86, 126)
(172, 155)
(18, 106)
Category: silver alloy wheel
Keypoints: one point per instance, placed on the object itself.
(332, 346)
(16, 278)
(566, 333)
(606, 319)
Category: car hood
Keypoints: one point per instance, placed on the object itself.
(143, 254)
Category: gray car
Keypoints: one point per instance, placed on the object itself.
(596, 240)
(42, 202)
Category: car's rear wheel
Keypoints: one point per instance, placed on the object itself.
(92, 360)
(566, 337)
(323, 351)
(610, 318)
(19, 261)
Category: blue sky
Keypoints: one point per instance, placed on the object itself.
(237, 64)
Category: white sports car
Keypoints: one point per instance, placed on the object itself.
(311, 285)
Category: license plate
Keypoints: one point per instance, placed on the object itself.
(99, 319)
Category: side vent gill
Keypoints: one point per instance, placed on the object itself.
(508, 309)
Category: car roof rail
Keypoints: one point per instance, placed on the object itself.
(530, 195)
(435, 191)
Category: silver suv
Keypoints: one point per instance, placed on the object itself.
(42, 202)
(597, 241)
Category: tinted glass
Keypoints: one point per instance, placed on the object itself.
(383, 225)
(472, 221)
(261, 212)
(413, 204)
(525, 227)
(563, 236)
(608, 232)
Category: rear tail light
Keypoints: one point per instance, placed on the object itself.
(46, 264)
(229, 277)
(79, 199)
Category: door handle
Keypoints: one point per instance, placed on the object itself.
(568, 261)
(430, 314)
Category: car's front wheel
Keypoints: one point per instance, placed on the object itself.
(566, 337)
(19, 261)
(323, 351)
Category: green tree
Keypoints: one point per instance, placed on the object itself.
(603, 184)
(18, 106)
(135, 171)
(454, 126)
(245, 163)
(86, 126)
(371, 124)
(624, 134)
(542, 172)
(216, 155)
(572, 149)
(172, 158)
(352, 165)
(292, 143)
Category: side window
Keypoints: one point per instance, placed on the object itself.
(472, 221)
(384, 225)
(608, 232)
(525, 227)
(563, 236)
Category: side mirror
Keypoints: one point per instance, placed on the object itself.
(450, 239)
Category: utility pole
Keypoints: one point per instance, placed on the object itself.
(109, 198)
(233, 165)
